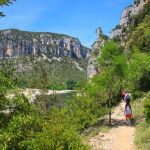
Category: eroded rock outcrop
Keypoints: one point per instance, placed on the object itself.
(92, 68)
(14, 43)
(120, 32)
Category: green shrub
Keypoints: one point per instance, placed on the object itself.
(147, 109)
(32, 128)
(58, 133)
(142, 138)
(141, 111)
(140, 37)
(144, 81)
(135, 20)
(71, 84)
(86, 111)
(57, 86)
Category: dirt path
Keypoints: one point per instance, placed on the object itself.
(119, 137)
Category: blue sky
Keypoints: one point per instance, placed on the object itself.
(78, 18)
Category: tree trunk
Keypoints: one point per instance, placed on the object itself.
(110, 116)
(109, 104)
(121, 88)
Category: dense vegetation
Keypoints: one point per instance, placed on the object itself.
(139, 77)
(35, 126)
(56, 75)
(142, 112)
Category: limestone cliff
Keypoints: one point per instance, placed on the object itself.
(92, 68)
(120, 32)
(14, 43)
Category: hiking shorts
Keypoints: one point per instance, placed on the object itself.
(128, 116)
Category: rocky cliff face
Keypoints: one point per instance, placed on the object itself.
(14, 43)
(92, 68)
(120, 31)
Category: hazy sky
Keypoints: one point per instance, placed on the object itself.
(78, 18)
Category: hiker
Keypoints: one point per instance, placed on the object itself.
(128, 113)
(123, 93)
(127, 97)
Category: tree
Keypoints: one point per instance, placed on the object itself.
(23, 126)
(42, 76)
(138, 73)
(140, 40)
(113, 65)
(70, 84)
(5, 3)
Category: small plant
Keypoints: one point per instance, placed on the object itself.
(147, 109)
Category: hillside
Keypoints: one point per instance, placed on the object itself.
(62, 57)
(56, 73)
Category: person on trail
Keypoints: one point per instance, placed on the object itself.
(128, 113)
(123, 93)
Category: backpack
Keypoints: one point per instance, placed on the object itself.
(127, 98)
